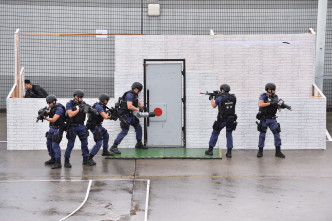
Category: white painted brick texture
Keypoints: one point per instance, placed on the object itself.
(247, 63)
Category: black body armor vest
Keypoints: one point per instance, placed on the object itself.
(78, 118)
(96, 119)
(61, 121)
(124, 101)
(227, 105)
(269, 111)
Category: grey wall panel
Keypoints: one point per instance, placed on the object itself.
(82, 57)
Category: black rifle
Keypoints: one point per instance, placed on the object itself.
(42, 113)
(280, 103)
(85, 108)
(215, 94)
(113, 113)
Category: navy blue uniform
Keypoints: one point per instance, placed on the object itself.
(97, 128)
(129, 119)
(222, 122)
(78, 129)
(54, 132)
(269, 121)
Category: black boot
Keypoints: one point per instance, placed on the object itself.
(57, 164)
(114, 148)
(85, 161)
(139, 145)
(209, 151)
(91, 161)
(278, 153)
(107, 153)
(229, 153)
(67, 164)
(260, 152)
(50, 161)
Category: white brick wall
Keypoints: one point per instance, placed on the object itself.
(247, 63)
(23, 133)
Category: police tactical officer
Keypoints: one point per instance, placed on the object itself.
(130, 103)
(100, 134)
(34, 91)
(56, 117)
(226, 118)
(76, 127)
(268, 106)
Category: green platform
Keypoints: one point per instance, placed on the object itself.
(166, 153)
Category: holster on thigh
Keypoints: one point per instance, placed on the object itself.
(124, 124)
(216, 126)
(277, 130)
(98, 135)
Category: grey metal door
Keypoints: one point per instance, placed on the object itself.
(164, 95)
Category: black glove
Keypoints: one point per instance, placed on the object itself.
(141, 109)
(81, 107)
(210, 97)
(274, 103)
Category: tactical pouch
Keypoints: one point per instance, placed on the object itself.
(234, 125)
(260, 127)
(57, 138)
(90, 125)
(135, 122)
(230, 119)
(98, 135)
(216, 126)
(259, 116)
(87, 132)
(124, 125)
(70, 135)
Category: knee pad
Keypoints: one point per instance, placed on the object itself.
(277, 130)
(216, 126)
(124, 125)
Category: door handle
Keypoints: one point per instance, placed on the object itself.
(148, 105)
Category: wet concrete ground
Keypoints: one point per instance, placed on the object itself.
(242, 188)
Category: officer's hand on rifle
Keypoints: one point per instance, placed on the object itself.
(141, 109)
(210, 97)
(274, 103)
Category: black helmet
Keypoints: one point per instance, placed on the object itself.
(137, 85)
(50, 98)
(103, 97)
(270, 86)
(225, 87)
(79, 93)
